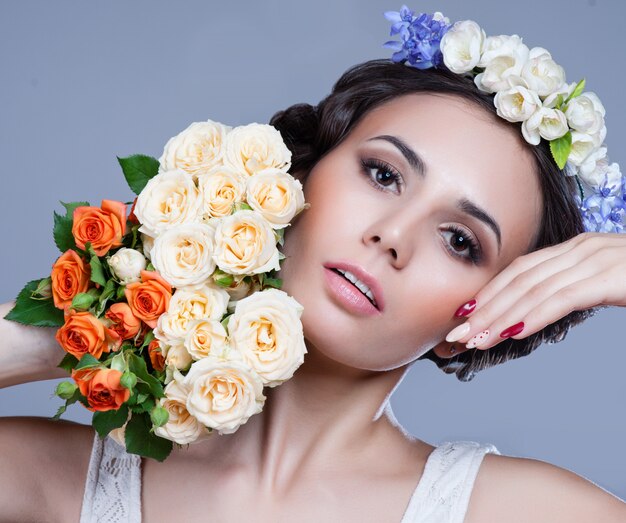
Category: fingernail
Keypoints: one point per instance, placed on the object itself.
(465, 309)
(458, 332)
(477, 339)
(512, 330)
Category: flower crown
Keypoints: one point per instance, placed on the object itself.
(530, 88)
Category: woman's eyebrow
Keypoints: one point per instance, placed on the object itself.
(418, 165)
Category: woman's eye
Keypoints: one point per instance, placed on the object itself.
(381, 175)
(463, 245)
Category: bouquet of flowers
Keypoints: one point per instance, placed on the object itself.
(172, 317)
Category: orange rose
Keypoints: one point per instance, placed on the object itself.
(124, 322)
(102, 388)
(104, 227)
(156, 355)
(131, 216)
(84, 333)
(149, 298)
(70, 276)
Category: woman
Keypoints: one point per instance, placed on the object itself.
(427, 231)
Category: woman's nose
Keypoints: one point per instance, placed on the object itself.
(394, 236)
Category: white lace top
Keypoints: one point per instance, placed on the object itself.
(113, 486)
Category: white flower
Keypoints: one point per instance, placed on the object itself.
(169, 199)
(181, 427)
(176, 355)
(602, 172)
(219, 189)
(542, 74)
(462, 45)
(254, 147)
(592, 167)
(196, 149)
(205, 337)
(564, 90)
(582, 146)
(245, 243)
(127, 265)
(266, 330)
(585, 113)
(503, 58)
(183, 255)
(544, 123)
(516, 104)
(147, 245)
(187, 304)
(223, 394)
(276, 195)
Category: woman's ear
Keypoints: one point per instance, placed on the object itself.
(445, 349)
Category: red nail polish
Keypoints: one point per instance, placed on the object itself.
(465, 309)
(512, 330)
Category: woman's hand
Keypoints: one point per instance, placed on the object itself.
(541, 287)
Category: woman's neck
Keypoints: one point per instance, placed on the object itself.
(324, 415)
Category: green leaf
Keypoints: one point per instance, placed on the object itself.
(137, 365)
(159, 416)
(97, 272)
(105, 422)
(561, 148)
(225, 321)
(138, 170)
(65, 390)
(576, 92)
(68, 362)
(29, 311)
(107, 293)
(62, 232)
(241, 206)
(140, 440)
(120, 293)
(82, 301)
(87, 361)
(144, 404)
(559, 101)
(274, 282)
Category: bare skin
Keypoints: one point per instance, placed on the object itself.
(326, 446)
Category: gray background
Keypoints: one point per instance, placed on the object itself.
(82, 82)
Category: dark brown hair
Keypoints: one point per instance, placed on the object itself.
(312, 131)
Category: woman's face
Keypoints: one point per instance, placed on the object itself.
(431, 238)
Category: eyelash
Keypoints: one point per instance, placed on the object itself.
(475, 252)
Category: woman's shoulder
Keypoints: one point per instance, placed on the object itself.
(40, 458)
(516, 489)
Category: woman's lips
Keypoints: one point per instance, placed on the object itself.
(348, 295)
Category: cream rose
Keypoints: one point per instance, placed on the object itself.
(516, 104)
(254, 147)
(245, 243)
(147, 245)
(544, 123)
(462, 45)
(541, 73)
(168, 200)
(276, 195)
(176, 355)
(205, 338)
(183, 255)
(187, 304)
(181, 427)
(219, 189)
(592, 167)
(223, 394)
(503, 58)
(127, 265)
(195, 150)
(266, 330)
